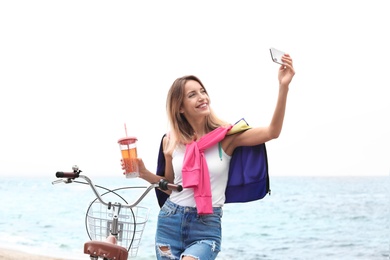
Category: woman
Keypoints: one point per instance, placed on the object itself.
(197, 153)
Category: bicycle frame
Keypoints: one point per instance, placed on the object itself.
(109, 249)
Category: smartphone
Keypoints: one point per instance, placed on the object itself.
(276, 55)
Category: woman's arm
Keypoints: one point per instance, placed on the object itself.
(147, 175)
(259, 135)
(169, 175)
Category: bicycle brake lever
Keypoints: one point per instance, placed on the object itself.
(62, 180)
(56, 181)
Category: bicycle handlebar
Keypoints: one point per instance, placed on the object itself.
(162, 184)
(165, 185)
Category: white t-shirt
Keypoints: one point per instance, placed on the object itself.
(218, 171)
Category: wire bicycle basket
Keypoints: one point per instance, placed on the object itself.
(131, 224)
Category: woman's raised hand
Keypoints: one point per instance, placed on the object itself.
(286, 71)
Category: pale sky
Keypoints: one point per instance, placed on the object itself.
(72, 73)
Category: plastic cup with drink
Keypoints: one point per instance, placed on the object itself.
(128, 148)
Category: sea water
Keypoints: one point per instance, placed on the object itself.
(303, 218)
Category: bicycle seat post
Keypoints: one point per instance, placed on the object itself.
(114, 226)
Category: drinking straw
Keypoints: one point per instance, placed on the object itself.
(128, 147)
(125, 129)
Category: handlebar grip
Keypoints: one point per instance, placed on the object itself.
(71, 175)
(165, 185)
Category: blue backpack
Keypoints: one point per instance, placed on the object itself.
(248, 174)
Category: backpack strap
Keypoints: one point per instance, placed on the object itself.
(161, 196)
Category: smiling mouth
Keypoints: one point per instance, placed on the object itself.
(202, 105)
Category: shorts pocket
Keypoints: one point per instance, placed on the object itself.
(166, 211)
(212, 220)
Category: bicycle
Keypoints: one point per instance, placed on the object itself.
(114, 229)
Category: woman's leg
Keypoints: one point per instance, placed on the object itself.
(169, 233)
(204, 236)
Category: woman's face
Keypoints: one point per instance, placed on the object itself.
(195, 102)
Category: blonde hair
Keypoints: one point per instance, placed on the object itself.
(181, 131)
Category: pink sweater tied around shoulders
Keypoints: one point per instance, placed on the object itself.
(195, 170)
